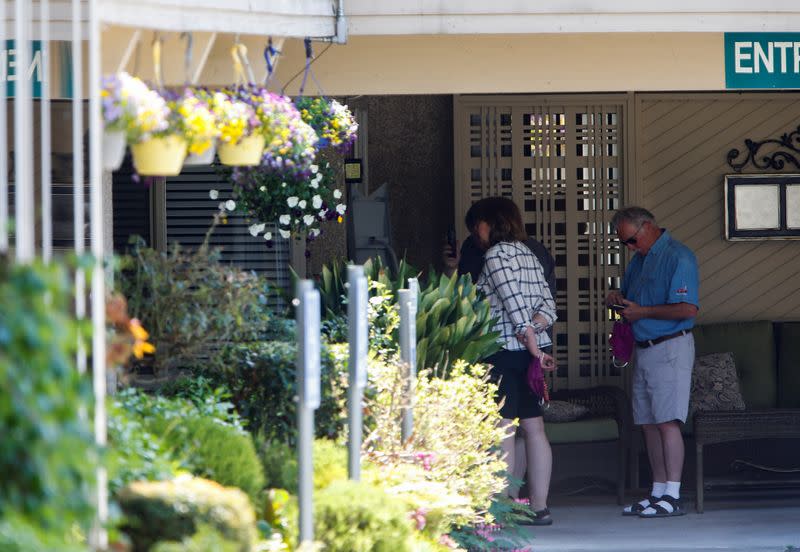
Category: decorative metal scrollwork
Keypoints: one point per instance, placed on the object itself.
(776, 160)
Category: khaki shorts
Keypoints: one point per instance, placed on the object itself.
(662, 381)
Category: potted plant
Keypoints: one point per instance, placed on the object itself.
(116, 117)
(291, 144)
(332, 121)
(154, 132)
(241, 141)
(199, 126)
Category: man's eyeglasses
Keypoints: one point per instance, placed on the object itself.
(632, 239)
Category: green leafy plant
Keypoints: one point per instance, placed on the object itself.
(207, 439)
(261, 377)
(204, 540)
(358, 517)
(48, 454)
(453, 321)
(280, 464)
(455, 434)
(176, 509)
(191, 303)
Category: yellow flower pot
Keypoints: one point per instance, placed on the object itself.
(246, 153)
(159, 156)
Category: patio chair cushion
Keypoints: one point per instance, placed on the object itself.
(715, 386)
(582, 431)
(563, 411)
(753, 347)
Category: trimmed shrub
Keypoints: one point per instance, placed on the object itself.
(176, 509)
(221, 453)
(280, 464)
(206, 539)
(351, 516)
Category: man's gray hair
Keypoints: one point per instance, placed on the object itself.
(633, 215)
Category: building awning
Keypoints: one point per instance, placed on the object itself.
(288, 18)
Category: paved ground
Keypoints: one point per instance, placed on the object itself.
(594, 524)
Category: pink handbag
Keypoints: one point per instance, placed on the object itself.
(621, 342)
(536, 380)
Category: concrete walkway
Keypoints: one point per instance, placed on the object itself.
(594, 524)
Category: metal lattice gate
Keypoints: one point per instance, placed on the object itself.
(561, 160)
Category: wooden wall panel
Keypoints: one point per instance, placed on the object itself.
(681, 146)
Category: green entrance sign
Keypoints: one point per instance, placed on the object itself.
(762, 60)
(11, 67)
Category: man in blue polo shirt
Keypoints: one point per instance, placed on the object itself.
(660, 299)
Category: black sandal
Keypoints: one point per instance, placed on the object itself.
(538, 517)
(666, 506)
(637, 507)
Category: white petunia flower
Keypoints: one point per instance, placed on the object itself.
(292, 201)
(314, 169)
(314, 185)
(314, 232)
(283, 184)
(322, 213)
(285, 220)
(213, 194)
(337, 194)
(263, 188)
(284, 233)
(221, 206)
(308, 219)
(316, 201)
(230, 205)
(268, 236)
(341, 209)
(256, 229)
(318, 178)
(302, 204)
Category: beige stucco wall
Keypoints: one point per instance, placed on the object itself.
(439, 64)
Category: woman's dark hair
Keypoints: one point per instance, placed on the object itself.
(503, 217)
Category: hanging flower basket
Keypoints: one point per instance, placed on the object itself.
(161, 156)
(113, 149)
(246, 153)
(205, 158)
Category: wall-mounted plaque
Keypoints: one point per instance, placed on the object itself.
(762, 206)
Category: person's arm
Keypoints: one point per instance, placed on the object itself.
(673, 311)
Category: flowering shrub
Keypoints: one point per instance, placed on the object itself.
(332, 121)
(129, 105)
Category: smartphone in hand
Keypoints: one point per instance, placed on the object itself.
(451, 241)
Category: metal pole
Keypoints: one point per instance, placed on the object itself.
(408, 355)
(23, 135)
(307, 304)
(100, 540)
(3, 147)
(358, 340)
(77, 169)
(47, 198)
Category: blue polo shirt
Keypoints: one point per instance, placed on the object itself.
(668, 274)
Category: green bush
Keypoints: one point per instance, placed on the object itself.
(455, 435)
(205, 438)
(261, 377)
(191, 303)
(218, 452)
(280, 464)
(206, 539)
(134, 452)
(20, 535)
(174, 510)
(48, 455)
(356, 517)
